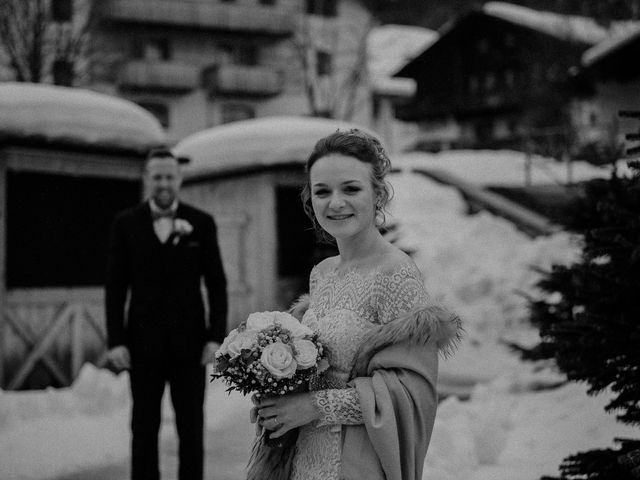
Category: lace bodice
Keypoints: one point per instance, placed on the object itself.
(343, 308)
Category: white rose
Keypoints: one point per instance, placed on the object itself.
(306, 353)
(278, 359)
(224, 348)
(292, 324)
(260, 320)
(246, 340)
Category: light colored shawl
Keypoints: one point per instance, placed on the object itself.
(395, 375)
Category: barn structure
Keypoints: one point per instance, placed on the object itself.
(69, 160)
(248, 175)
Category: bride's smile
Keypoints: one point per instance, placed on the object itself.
(343, 198)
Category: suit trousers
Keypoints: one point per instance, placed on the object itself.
(186, 379)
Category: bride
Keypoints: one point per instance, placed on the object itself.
(370, 415)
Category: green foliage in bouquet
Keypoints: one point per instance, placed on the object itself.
(590, 319)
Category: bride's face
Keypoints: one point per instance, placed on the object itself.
(342, 195)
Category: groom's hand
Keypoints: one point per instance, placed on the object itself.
(119, 357)
(209, 352)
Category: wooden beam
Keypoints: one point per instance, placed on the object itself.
(77, 346)
(99, 329)
(3, 240)
(48, 363)
(72, 163)
(41, 347)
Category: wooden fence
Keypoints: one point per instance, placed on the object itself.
(58, 329)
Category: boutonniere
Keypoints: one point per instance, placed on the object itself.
(181, 228)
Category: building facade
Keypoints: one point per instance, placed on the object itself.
(200, 63)
(495, 80)
(608, 81)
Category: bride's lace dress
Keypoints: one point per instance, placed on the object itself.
(343, 307)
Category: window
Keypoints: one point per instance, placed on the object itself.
(239, 54)
(489, 81)
(153, 49)
(483, 45)
(509, 40)
(64, 242)
(509, 78)
(324, 64)
(553, 72)
(234, 112)
(158, 110)
(473, 83)
(326, 8)
(61, 10)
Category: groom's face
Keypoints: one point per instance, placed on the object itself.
(163, 179)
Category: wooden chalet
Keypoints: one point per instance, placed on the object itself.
(495, 76)
(69, 160)
(607, 82)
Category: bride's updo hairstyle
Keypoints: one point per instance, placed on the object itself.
(357, 144)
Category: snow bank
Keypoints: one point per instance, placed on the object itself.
(478, 265)
(45, 434)
(78, 116)
(504, 432)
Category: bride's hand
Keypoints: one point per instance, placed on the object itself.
(281, 414)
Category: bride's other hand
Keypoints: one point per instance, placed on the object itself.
(281, 414)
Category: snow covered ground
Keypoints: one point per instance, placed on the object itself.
(511, 427)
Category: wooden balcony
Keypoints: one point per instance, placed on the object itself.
(201, 14)
(437, 105)
(159, 76)
(243, 80)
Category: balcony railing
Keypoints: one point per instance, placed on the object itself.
(243, 80)
(160, 76)
(201, 14)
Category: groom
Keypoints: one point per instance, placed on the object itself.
(159, 252)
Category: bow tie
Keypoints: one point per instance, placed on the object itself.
(157, 215)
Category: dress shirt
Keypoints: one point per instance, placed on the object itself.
(163, 219)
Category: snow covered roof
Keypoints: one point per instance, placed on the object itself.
(73, 116)
(265, 142)
(566, 27)
(611, 45)
(389, 48)
(570, 28)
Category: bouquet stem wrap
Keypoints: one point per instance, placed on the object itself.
(272, 458)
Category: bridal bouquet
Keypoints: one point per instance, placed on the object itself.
(271, 353)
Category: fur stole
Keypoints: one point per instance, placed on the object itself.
(423, 324)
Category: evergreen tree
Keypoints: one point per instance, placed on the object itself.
(590, 321)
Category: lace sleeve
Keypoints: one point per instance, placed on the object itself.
(338, 406)
(399, 291)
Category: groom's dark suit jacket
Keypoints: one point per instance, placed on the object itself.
(166, 313)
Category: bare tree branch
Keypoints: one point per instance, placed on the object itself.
(33, 41)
